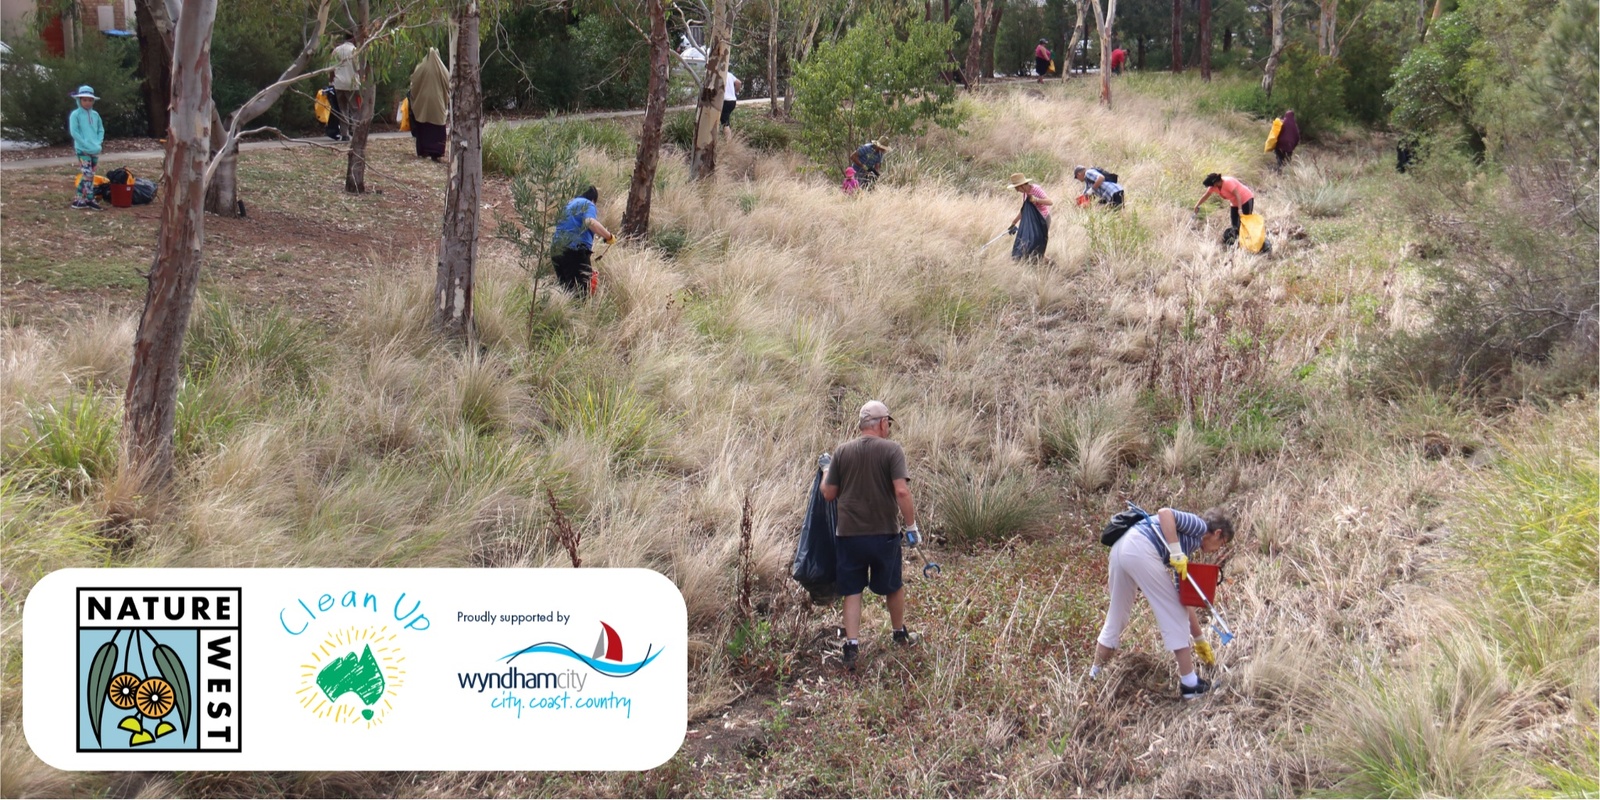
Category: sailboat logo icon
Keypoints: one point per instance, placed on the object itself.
(607, 658)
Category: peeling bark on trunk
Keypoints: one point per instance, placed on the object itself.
(1078, 32)
(1177, 35)
(975, 44)
(1104, 22)
(1271, 72)
(155, 61)
(1205, 40)
(458, 244)
(151, 401)
(992, 35)
(703, 161)
(1327, 23)
(636, 218)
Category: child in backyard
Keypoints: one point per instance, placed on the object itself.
(850, 183)
(88, 132)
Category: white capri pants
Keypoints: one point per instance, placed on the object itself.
(1135, 564)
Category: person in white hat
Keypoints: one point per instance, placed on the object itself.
(1035, 195)
(88, 134)
(869, 479)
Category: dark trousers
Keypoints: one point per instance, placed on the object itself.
(1249, 207)
(343, 104)
(573, 270)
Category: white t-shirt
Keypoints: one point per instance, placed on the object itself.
(727, 87)
(344, 71)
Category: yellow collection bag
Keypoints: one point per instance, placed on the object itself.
(404, 114)
(322, 107)
(1252, 232)
(1052, 66)
(1272, 138)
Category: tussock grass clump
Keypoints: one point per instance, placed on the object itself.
(68, 446)
(275, 345)
(503, 145)
(633, 429)
(975, 506)
(1094, 438)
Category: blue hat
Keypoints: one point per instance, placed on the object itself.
(85, 91)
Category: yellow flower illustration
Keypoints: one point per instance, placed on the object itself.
(122, 690)
(154, 698)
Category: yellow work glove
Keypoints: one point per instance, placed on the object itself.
(1179, 562)
(1202, 650)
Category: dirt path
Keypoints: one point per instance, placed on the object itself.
(318, 141)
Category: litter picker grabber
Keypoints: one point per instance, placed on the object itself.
(1224, 634)
(1003, 234)
(930, 568)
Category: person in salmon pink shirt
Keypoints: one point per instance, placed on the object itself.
(1238, 196)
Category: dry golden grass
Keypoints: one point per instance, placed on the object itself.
(1142, 360)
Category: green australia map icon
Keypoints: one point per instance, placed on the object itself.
(352, 673)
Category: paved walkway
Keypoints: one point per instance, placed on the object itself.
(142, 155)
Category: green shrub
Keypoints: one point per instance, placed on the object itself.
(1312, 85)
(38, 88)
(671, 240)
(678, 129)
(762, 132)
(874, 83)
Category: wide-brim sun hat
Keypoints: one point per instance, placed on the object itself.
(1017, 179)
(85, 91)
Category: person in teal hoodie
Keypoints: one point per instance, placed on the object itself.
(88, 133)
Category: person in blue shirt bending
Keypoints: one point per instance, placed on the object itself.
(866, 160)
(1099, 185)
(573, 242)
(88, 133)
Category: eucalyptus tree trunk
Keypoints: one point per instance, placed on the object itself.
(1270, 73)
(151, 401)
(1327, 24)
(636, 218)
(980, 12)
(1177, 35)
(222, 186)
(703, 161)
(992, 35)
(1072, 46)
(458, 244)
(1205, 40)
(155, 61)
(772, 56)
(355, 168)
(1104, 20)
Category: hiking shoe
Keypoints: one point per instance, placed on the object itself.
(80, 205)
(851, 651)
(906, 638)
(94, 206)
(1200, 687)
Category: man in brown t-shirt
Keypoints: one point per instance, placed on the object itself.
(868, 478)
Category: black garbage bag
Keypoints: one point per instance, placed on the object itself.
(815, 563)
(144, 191)
(1033, 233)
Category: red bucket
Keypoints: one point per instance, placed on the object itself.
(121, 195)
(1204, 574)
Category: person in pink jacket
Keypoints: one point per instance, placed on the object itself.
(1240, 199)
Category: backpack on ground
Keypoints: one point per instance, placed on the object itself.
(120, 175)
